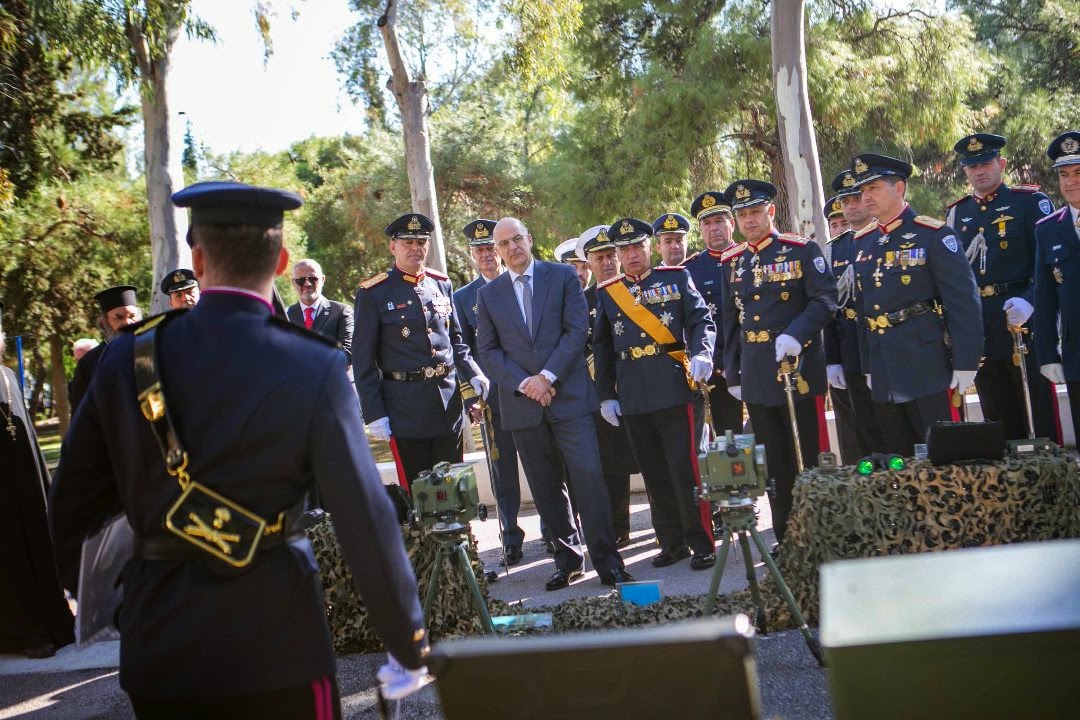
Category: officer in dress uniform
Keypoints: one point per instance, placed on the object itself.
(717, 226)
(1057, 277)
(252, 413)
(652, 331)
(996, 224)
(778, 295)
(617, 458)
(181, 287)
(506, 480)
(408, 354)
(913, 287)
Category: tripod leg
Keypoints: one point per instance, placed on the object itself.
(751, 579)
(433, 583)
(718, 570)
(481, 607)
(785, 591)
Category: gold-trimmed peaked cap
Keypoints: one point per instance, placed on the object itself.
(708, 203)
(670, 223)
(833, 207)
(177, 280)
(869, 167)
(1065, 149)
(749, 192)
(844, 184)
(480, 232)
(629, 231)
(411, 226)
(595, 238)
(978, 148)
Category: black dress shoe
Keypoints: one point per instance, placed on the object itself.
(549, 547)
(622, 541)
(670, 556)
(562, 578)
(702, 561)
(39, 652)
(513, 555)
(774, 553)
(619, 576)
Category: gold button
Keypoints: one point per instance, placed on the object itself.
(757, 317)
(642, 334)
(783, 284)
(757, 297)
(877, 307)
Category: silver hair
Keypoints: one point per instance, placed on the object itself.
(313, 264)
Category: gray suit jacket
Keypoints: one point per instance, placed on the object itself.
(561, 326)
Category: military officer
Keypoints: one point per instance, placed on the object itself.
(652, 331)
(670, 231)
(506, 480)
(913, 285)
(1057, 277)
(566, 252)
(408, 353)
(259, 412)
(778, 295)
(717, 226)
(181, 287)
(996, 224)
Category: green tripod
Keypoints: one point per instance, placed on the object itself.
(452, 538)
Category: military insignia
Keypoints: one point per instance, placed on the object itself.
(617, 327)
(1003, 208)
(666, 318)
(950, 242)
(601, 237)
(1045, 207)
(860, 166)
(414, 223)
(819, 263)
(906, 279)
(837, 207)
(974, 145)
(708, 201)
(965, 220)
(405, 332)
(848, 181)
(389, 306)
(907, 236)
(626, 228)
(178, 277)
(712, 308)
(741, 193)
(785, 295)
(671, 223)
(476, 306)
(1058, 275)
(1069, 145)
(481, 231)
(1004, 244)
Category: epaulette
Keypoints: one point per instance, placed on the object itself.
(615, 279)
(301, 330)
(153, 320)
(373, 281)
(436, 275)
(732, 252)
(927, 221)
(957, 201)
(866, 230)
(793, 239)
(833, 239)
(1056, 214)
(684, 262)
(1026, 188)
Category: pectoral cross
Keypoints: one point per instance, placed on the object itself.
(878, 274)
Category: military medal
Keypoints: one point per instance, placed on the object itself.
(389, 306)
(1058, 276)
(878, 274)
(1004, 244)
(785, 295)
(405, 331)
(617, 327)
(906, 279)
(666, 318)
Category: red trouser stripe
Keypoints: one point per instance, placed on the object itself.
(703, 506)
(954, 412)
(402, 480)
(822, 425)
(1057, 416)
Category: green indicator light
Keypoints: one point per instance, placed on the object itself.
(896, 463)
(865, 466)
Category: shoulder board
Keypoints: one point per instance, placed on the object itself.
(373, 281)
(866, 230)
(301, 330)
(153, 321)
(1026, 188)
(732, 252)
(615, 279)
(847, 233)
(927, 221)
(687, 260)
(669, 267)
(1059, 214)
(793, 239)
(957, 201)
(436, 275)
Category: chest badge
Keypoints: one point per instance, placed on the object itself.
(666, 318)
(1001, 222)
(405, 332)
(966, 220)
(1058, 275)
(617, 328)
(389, 306)
(906, 279)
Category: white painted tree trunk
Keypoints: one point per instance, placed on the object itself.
(798, 143)
(412, 100)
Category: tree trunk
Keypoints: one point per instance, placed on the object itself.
(162, 144)
(798, 144)
(61, 404)
(412, 100)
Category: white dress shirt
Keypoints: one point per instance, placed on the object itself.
(519, 293)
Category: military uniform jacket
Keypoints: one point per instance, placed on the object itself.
(1006, 219)
(912, 259)
(658, 381)
(265, 413)
(706, 270)
(465, 306)
(1057, 292)
(842, 334)
(785, 287)
(406, 324)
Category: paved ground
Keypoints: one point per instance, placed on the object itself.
(78, 685)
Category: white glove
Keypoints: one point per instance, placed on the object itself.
(398, 681)
(481, 385)
(736, 391)
(836, 376)
(787, 345)
(700, 368)
(610, 410)
(868, 387)
(1017, 310)
(1054, 372)
(962, 380)
(380, 429)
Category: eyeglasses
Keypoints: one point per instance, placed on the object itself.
(310, 280)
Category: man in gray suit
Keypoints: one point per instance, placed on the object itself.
(532, 325)
(332, 320)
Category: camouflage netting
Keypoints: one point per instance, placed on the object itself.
(841, 515)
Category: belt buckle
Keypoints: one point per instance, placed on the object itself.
(440, 371)
(987, 291)
(878, 323)
(650, 349)
(636, 353)
(429, 372)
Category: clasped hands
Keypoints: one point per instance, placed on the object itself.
(538, 388)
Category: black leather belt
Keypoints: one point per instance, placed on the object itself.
(888, 320)
(761, 336)
(1000, 288)
(438, 371)
(170, 547)
(650, 350)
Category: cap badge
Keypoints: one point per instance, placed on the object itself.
(414, 223)
(708, 201)
(480, 232)
(974, 145)
(860, 166)
(671, 223)
(1070, 145)
(626, 228)
(849, 180)
(178, 277)
(741, 193)
(836, 206)
(602, 237)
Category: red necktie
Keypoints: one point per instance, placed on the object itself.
(309, 317)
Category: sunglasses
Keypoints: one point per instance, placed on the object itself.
(310, 280)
